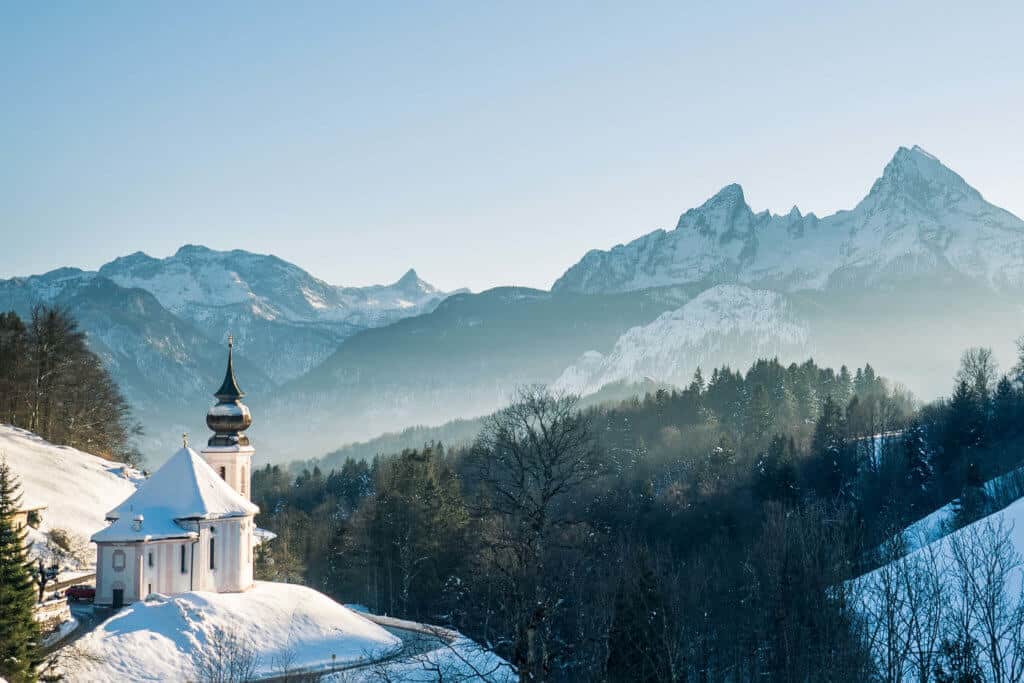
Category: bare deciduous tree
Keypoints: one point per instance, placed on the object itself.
(986, 565)
(228, 656)
(530, 457)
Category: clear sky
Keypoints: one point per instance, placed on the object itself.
(482, 143)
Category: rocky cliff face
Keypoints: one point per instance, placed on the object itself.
(920, 219)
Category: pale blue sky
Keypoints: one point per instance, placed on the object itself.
(481, 143)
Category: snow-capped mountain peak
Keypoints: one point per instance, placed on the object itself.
(919, 220)
(916, 176)
(197, 278)
(411, 283)
(725, 208)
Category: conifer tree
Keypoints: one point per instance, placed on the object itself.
(776, 477)
(964, 427)
(836, 469)
(19, 632)
(1005, 409)
(916, 462)
(844, 385)
(973, 501)
(697, 385)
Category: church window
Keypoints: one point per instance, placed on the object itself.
(149, 558)
(223, 472)
(117, 562)
(183, 570)
(213, 563)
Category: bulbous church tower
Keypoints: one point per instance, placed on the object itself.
(228, 451)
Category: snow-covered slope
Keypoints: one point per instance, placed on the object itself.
(76, 488)
(970, 579)
(163, 638)
(941, 522)
(920, 218)
(727, 324)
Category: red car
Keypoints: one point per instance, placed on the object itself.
(81, 592)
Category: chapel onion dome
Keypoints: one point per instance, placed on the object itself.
(229, 417)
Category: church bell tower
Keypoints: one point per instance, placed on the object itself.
(228, 451)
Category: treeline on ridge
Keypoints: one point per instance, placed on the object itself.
(52, 384)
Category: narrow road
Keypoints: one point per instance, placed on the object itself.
(88, 619)
(414, 643)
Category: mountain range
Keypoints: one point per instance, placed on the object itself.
(919, 218)
(327, 365)
(161, 324)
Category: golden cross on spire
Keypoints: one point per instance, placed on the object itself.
(184, 439)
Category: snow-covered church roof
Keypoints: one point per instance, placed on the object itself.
(185, 487)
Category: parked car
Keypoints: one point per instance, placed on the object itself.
(81, 592)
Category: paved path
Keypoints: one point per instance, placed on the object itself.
(416, 640)
(88, 619)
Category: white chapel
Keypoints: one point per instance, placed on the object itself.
(190, 525)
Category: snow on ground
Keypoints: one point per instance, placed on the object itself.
(941, 522)
(162, 639)
(65, 629)
(872, 589)
(77, 488)
(461, 661)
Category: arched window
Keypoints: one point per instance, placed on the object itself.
(223, 472)
(149, 558)
(183, 570)
(213, 562)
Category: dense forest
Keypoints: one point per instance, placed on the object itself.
(53, 385)
(690, 535)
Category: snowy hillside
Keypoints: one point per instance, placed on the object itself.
(727, 324)
(166, 638)
(918, 218)
(964, 586)
(76, 488)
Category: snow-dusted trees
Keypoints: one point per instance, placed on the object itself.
(407, 537)
(53, 385)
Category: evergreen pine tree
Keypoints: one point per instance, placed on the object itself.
(963, 428)
(697, 385)
(19, 632)
(760, 421)
(973, 501)
(844, 385)
(916, 463)
(835, 468)
(776, 477)
(1005, 406)
(633, 636)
